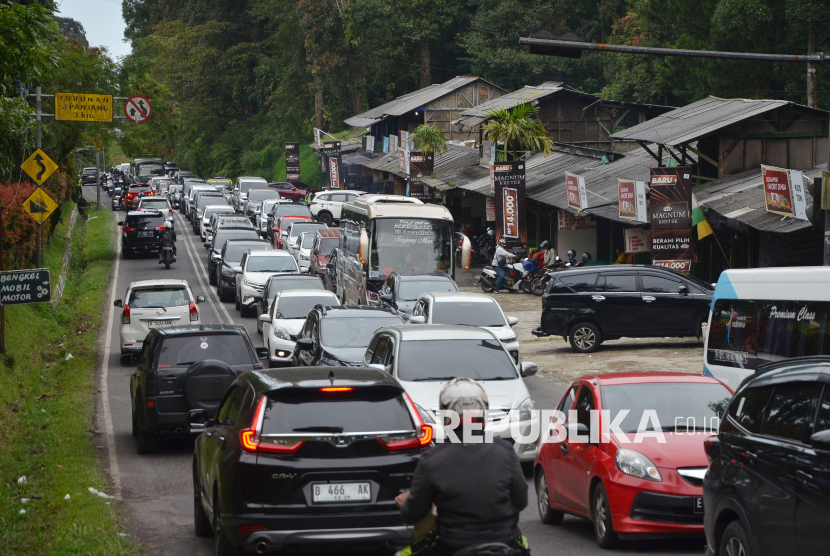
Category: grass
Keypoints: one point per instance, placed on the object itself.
(47, 404)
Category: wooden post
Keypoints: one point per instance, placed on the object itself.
(2, 267)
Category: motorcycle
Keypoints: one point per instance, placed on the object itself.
(167, 255)
(515, 279)
(482, 248)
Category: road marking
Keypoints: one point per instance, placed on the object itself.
(113, 460)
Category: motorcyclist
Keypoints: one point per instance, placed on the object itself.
(540, 256)
(167, 236)
(572, 256)
(503, 256)
(478, 489)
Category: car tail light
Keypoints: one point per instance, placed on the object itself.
(421, 441)
(125, 315)
(712, 447)
(151, 403)
(194, 314)
(247, 529)
(336, 389)
(159, 228)
(250, 437)
(129, 228)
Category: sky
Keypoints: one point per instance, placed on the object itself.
(102, 23)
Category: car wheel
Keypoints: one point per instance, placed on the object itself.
(211, 278)
(603, 526)
(146, 442)
(135, 425)
(221, 545)
(325, 218)
(238, 305)
(201, 523)
(258, 323)
(546, 514)
(734, 541)
(585, 337)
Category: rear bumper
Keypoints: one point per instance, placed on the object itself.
(273, 540)
(539, 333)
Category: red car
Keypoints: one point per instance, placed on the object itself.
(288, 190)
(131, 199)
(325, 241)
(633, 489)
(280, 228)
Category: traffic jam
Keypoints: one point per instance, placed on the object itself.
(375, 403)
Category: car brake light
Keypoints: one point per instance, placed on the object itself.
(246, 529)
(159, 228)
(422, 440)
(336, 389)
(250, 436)
(129, 229)
(151, 403)
(712, 447)
(194, 314)
(125, 315)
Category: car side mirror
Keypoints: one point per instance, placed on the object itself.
(120, 222)
(417, 319)
(264, 318)
(200, 299)
(118, 303)
(821, 440)
(305, 344)
(528, 368)
(237, 269)
(198, 420)
(512, 321)
(262, 352)
(387, 297)
(257, 298)
(683, 289)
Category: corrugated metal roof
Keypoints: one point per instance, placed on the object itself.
(409, 102)
(474, 116)
(456, 158)
(700, 118)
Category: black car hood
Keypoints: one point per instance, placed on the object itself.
(346, 355)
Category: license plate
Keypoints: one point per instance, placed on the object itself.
(698, 508)
(159, 323)
(145, 234)
(341, 492)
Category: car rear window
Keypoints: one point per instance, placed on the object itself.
(308, 241)
(146, 221)
(353, 332)
(235, 250)
(301, 227)
(271, 264)
(145, 298)
(140, 189)
(224, 235)
(441, 360)
(294, 284)
(359, 410)
(297, 307)
(473, 313)
(327, 245)
(182, 351)
(262, 194)
(244, 186)
(410, 290)
(292, 210)
(154, 203)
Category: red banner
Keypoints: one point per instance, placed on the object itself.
(777, 190)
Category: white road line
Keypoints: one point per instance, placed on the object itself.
(113, 460)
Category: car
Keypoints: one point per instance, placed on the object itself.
(424, 358)
(277, 283)
(174, 193)
(301, 249)
(225, 220)
(207, 216)
(325, 242)
(229, 257)
(197, 192)
(255, 196)
(338, 335)
(88, 176)
(220, 236)
(646, 489)
(261, 215)
(294, 230)
(140, 232)
(330, 277)
(241, 188)
(767, 488)
(198, 209)
(133, 192)
(306, 456)
(115, 204)
(150, 304)
(288, 190)
(401, 291)
(326, 206)
(589, 305)
(161, 204)
(283, 322)
(285, 209)
(254, 269)
(181, 368)
(467, 309)
(282, 226)
(160, 184)
(190, 186)
(181, 175)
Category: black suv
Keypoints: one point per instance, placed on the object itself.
(141, 229)
(767, 489)
(306, 457)
(401, 291)
(339, 335)
(589, 305)
(230, 257)
(275, 284)
(182, 368)
(284, 209)
(217, 242)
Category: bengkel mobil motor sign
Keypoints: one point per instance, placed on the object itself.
(509, 195)
(671, 218)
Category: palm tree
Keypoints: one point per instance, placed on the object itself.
(518, 129)
(428, 139)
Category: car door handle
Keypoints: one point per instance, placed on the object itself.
(598, 297)
(806, 477)
(564, 448)
(649, 299)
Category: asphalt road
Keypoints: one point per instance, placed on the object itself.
(155, 491)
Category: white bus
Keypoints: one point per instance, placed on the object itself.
(765, 315)
(380, 234)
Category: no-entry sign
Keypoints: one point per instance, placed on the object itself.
(138, 109)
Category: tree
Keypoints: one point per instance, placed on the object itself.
(518, 129)
(428, 139)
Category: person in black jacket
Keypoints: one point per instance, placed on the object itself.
(167, 236)
(478, 489)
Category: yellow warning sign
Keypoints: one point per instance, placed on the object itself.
(40, 205)
(79, 107)
(39, 166)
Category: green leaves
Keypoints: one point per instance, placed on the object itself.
(518, 129)
(428, 139)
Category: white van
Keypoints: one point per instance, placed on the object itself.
(765, 315)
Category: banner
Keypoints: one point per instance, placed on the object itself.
(370, 143)
(511, 224)
(632, 199)
(403, 160)
(318, 136)
(490, 209)
(637, 240)
(331, 150)
(292, 162)
(393, 143)
(420, 166)
(569, 222)
(577, 196)
(784, 192)
(671, 218)
(386, 144)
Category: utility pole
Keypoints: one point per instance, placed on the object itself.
(573, 49)
(39, 253)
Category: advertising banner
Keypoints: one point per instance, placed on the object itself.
(403, 160)
(370, 143)
(777, 190)
(490, 209)
(393, 143)
(420, 166)
(632, 198)
(671, 218)
(292, 161)
(509, 182)
(569, 222)
(637, 240)
(386, 144)
(318, 136)
(331, 149)
(798, 194)
(577, 195)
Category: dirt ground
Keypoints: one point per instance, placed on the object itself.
(558, 362)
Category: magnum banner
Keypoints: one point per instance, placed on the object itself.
(509, 185)
(292, 162)
(331, 151)
(671, 218)
(420, 166)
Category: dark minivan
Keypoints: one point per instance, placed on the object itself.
(767, 489)
(306, 457)
(589, 305)
(182, 368)
(140, 232)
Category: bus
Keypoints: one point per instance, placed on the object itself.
(380, 234)
(766, 315)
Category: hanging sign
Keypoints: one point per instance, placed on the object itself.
(292, 161)
(386, 144)
(637, 240)
(370, 143)
(511, 224)
(784, 192)
(569, 222)
(632, 199)
(331, 150)
(577, 195)
(671, 218)
(490, 209)
(420, 166)
(393, 143)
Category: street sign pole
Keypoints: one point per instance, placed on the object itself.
(38, 114)
(97, 178)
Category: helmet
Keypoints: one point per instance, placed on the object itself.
(544, 245)
(586, 257)
(571, 254)
(168, 223)
(491, 232)
(462, 394)
(502, 242)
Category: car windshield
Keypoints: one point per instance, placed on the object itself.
(297, 307)
(166, 296)
(293, 284)
(223, 235)
(154, 204)
(244, 186)
(308, 241)
(474, 313)
(261, 194)
(353, 332)
(271, 264)
(139, 189)
(299, 228)
(268, 205)
(235, 250)
(150, 170)
(411, 246)
(206, 200)
(292, 210)
(677, 406)
(427, 360)
(410, 290)
(145, 222)
(183, 351)
(327, 245)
